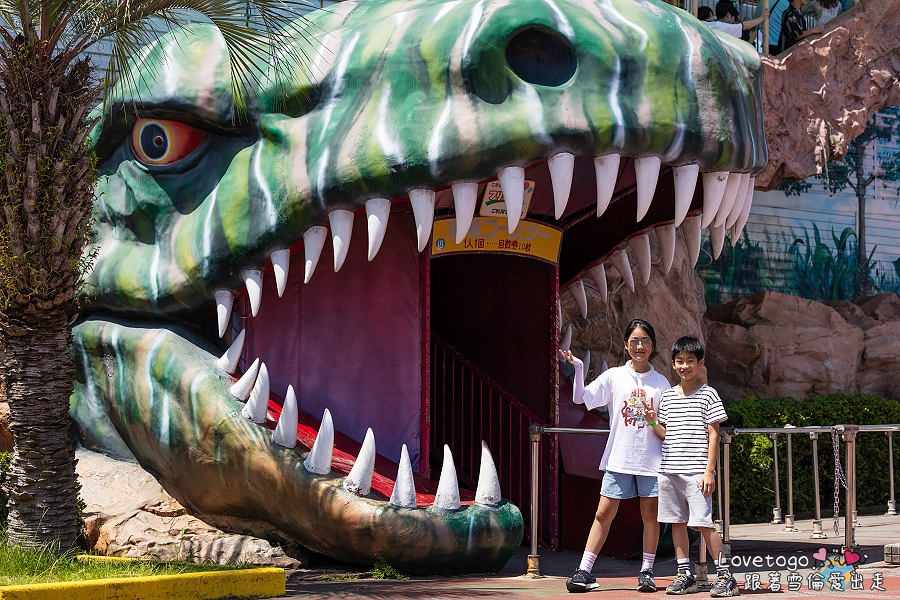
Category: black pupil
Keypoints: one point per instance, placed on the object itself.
(154, 142)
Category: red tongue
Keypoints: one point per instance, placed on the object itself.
(344, 455)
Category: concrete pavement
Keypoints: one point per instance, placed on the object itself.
(765, 552)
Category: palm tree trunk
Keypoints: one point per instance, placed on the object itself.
(40, 373)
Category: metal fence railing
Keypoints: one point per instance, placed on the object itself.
(844, 433)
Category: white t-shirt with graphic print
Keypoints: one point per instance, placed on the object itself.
(632, 447)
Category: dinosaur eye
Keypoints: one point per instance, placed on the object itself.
(158, 142)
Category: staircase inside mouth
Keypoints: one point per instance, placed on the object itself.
(468, 407)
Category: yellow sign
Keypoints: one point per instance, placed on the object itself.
(490, 234)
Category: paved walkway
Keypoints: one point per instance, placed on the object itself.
(759, 543)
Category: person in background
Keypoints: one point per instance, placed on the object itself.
(830, 9)
(776, 10)
(705, 13)
(793, 25)
(729, 20)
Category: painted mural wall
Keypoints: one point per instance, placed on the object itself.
(802, 239)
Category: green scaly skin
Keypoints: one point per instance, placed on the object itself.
(403, 95)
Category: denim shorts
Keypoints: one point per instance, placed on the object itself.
(622, 486)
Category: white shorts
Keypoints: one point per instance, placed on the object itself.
(681, 501)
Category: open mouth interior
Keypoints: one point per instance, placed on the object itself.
(348, 335)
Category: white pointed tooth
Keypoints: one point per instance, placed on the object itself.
(666, 237)
(745, 212)
(713, 191)
(224, 303)
(488, 490)
(228, 361)
(512, 182)
(619, 260)
(465, 196)
(640, 245)
(447, 495)
(566, 341)
(281, 265)
(577, 291)
(559, 311)
(378, 210)
(285, 433)
(604, 367)
(258, 404)
(685, 183)
(240, 389)
(422, 201)
(319, 459)
(607, 170)
(692, 235)
(253, 282)
(341, 222)
(717, 239)
(404, 494)
(598, 274)
(738, 201)
(586, 361)
(359, 480)
(313, 242)
(731, 190)
(561, 166)
(646, 170)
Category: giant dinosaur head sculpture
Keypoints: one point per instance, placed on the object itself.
(410, 108)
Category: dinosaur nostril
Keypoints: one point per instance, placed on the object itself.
(541, 56)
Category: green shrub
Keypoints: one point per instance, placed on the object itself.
(752, 482)
(382, 570)
(5, 459)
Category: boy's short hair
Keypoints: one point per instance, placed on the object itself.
(723, 9)
(704, 13)
(688, 344)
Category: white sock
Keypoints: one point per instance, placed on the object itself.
(647, 565)
(684, 566)
(722, 565)
(587, 561)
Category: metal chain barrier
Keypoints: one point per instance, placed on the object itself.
(839, 479)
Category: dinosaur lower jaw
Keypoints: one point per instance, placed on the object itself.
(180, 418)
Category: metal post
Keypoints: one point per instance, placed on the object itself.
(789, 518)
(849, 437)
(892, 504)
(718, 522)
(535, 430)
(700, 568)
(776, 512)
(726, 476)
(817, 533)
(765, 24)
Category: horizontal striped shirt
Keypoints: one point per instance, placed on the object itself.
(687, 418)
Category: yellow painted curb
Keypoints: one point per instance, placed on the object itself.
(248, 583)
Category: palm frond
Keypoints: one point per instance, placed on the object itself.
(257, 34)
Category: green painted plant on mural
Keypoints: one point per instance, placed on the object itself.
(742, 269)
(823, 272)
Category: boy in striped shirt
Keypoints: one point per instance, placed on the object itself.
(688, 423)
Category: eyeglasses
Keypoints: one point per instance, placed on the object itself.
(645, 342)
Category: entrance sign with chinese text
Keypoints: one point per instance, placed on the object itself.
(490, 235)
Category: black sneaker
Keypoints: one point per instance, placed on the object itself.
(724, 587)
(581, 581)
(683, 584)
(645, 582)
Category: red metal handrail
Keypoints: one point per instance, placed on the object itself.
(467, 406)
